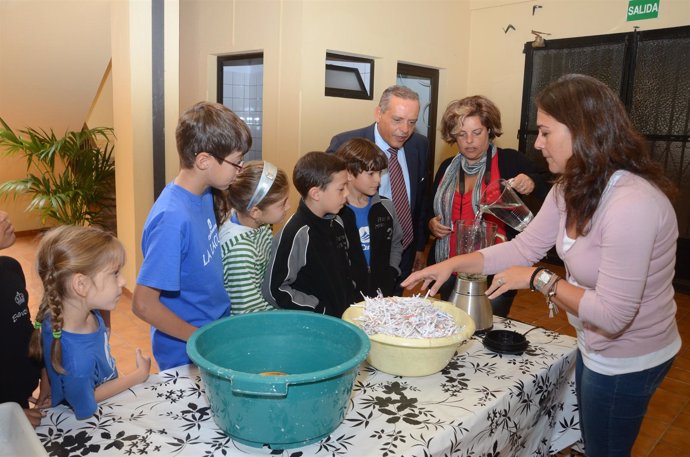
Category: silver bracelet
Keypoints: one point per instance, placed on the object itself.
(553, 290)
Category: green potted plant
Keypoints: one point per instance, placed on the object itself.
(71, 179)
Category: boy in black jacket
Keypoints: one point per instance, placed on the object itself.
(309, 267)
(371, 225)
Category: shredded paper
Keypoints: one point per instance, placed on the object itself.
(406, 317)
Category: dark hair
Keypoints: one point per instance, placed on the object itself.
(63, 252)
(396, 91)
(240, 192)
(360, 154)
(315, 169)
(476, 105)
(603, 141)
(211, 128)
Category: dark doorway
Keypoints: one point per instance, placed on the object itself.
(424, 81)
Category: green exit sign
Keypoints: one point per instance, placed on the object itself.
(642, 9)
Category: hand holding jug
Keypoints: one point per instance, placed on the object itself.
(499, 199)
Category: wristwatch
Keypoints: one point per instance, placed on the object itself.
(542, 280)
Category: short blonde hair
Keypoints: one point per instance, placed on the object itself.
(476, 105)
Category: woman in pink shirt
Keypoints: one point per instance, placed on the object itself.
(611, 220)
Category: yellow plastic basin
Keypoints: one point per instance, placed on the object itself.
(415, 356)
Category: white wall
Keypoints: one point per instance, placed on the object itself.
(427, 33)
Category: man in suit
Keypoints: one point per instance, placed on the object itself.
(405, 181)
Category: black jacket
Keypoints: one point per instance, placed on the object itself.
(309, 267)
(385, 248)
(23, 373)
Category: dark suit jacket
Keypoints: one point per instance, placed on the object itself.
(417, 157)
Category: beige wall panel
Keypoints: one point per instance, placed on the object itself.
(101, 114)
(51, 64)
(132, 113)
(295, 36)
(432, 34)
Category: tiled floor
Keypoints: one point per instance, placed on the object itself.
(664, 430)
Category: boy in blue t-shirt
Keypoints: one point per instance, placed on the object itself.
(371, 225)
(180, 284)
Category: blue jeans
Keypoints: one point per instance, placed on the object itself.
(612, 407)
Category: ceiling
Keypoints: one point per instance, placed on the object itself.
(53, 56)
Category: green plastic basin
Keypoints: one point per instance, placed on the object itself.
(318, 355)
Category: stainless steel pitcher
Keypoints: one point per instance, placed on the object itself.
(469, 293)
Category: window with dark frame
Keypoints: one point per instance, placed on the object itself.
(240, 88)
(651, 72)
(349, 76)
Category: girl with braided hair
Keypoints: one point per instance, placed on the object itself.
(80, 268)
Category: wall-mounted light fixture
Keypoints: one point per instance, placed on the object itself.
(539, 41)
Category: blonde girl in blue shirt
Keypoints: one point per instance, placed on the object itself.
(80, 268)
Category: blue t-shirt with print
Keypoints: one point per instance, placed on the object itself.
(182, 259)
(87, 362)
(362, 221)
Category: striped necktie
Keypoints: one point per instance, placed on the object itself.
(400, 199)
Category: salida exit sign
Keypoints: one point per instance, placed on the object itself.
(642, 9)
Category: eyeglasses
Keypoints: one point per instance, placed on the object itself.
(238, 166)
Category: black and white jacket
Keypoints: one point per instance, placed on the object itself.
(309, 267)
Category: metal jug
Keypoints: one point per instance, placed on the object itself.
(469, 293)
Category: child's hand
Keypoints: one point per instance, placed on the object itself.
(34, 415)
(44, 399)
(42, 402)
(143, 366)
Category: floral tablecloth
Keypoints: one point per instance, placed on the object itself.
(481, 404)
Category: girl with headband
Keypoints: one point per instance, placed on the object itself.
(257, 199)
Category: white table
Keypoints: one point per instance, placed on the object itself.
(481, 403)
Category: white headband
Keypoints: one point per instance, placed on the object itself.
(268, 175)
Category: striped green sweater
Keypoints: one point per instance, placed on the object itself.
(245, 253)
